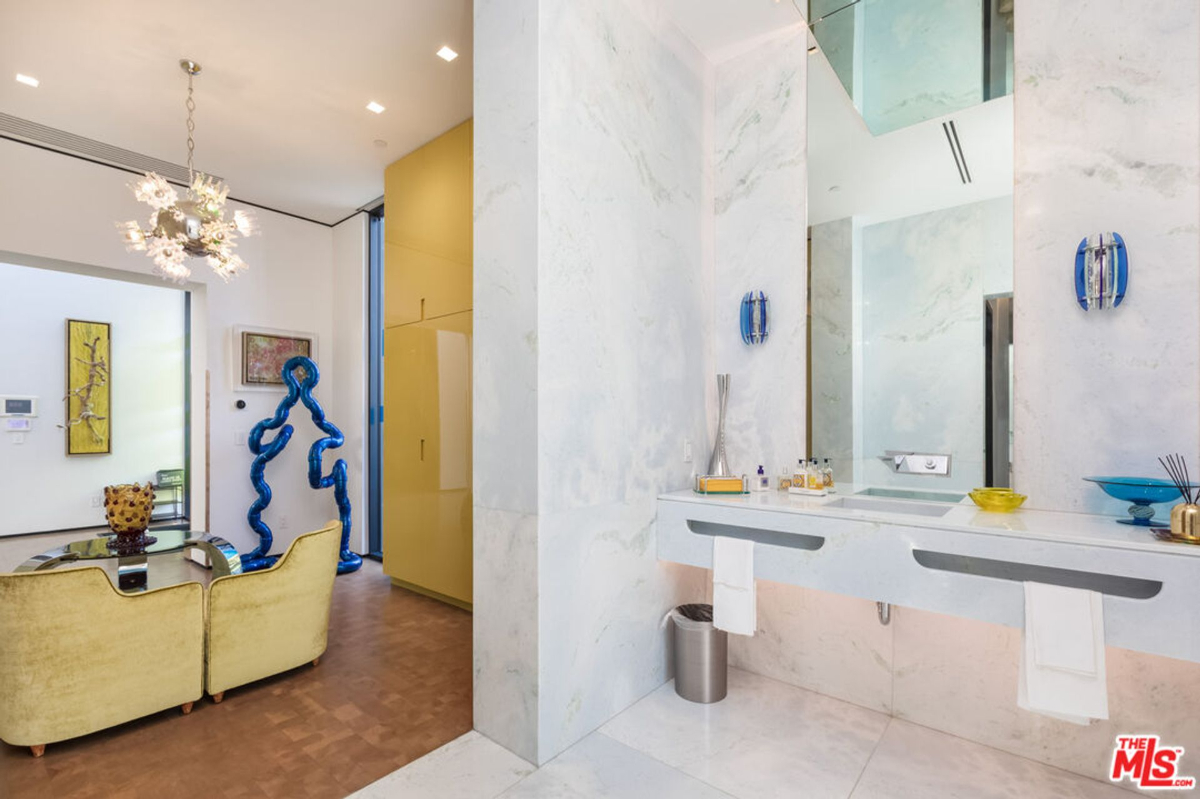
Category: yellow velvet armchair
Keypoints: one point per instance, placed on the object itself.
(77, 656)
(266, 622)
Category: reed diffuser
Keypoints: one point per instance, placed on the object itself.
(1185, 517)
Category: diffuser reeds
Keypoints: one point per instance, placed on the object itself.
(1177, 470)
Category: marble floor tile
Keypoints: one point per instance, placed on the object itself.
(599, 766)
(469, 767)
(913, 762)
(766, 739)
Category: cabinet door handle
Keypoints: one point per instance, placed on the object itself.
(422, 449)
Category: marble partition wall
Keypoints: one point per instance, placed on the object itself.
(593, 303)
(505, 401)
(760, 242)
(1107, 138)
(624, 299)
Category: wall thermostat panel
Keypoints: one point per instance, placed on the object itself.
(11, 405)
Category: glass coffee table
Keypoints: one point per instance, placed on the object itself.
(133, 568)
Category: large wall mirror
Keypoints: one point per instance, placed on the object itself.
(910, 206)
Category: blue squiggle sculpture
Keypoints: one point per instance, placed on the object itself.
(297, 391)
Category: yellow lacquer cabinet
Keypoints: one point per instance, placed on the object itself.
(427, 230)
(427, 456)
(427, 369)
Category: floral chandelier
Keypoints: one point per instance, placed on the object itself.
(194, 227)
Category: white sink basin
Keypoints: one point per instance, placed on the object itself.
(872, 505)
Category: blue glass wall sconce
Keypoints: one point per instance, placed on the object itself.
(1101, 271)
(755, 317)
(298, 390)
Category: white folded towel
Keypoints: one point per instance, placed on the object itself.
(1062, 669)
(734, 604)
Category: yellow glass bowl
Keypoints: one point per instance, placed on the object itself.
(997, 500)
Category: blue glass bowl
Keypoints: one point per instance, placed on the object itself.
(1142, 492)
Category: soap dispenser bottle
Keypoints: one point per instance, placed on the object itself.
(815, 481)
(800, 478)
(827, 475)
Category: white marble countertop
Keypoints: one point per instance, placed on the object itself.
(1039, 525)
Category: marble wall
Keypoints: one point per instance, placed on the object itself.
(960, 676)
(832, 300)
(624, 299)
(924, 278)
(593, 302)
(1107, 138)
(628, 193)
(760, 235)
(920, 59)
(505, 402)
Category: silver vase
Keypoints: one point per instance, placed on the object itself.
(718, 466)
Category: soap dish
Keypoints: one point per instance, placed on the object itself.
(720, 484)
(997, 500)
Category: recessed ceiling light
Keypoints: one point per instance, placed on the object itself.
(28, 80)
(374, 107)
(446, 54)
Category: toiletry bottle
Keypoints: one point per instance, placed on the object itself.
(785, 479)
(800, 477)
(815, 481)
(827, 474)
(762, 481)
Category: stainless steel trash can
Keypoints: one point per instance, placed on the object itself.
(701, 655)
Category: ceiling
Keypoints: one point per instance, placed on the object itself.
(280, 104)
(722, 28)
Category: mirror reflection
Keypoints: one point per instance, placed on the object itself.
(910, 144)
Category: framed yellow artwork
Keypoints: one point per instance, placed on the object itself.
(89, 389)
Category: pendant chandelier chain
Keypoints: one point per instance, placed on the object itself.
(192, 222)
(191, 127)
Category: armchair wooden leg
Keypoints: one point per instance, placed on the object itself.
(317, 660)
(186, 707)
(38, 750)
(218, 696)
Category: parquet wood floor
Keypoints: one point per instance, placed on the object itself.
(394, 684)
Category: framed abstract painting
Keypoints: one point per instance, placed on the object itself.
(264, 352)
(89, 389)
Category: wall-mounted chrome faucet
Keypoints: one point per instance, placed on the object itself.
(917, 462)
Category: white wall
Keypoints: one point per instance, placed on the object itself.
(349, 382)
(63, 208)
(41, 487)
